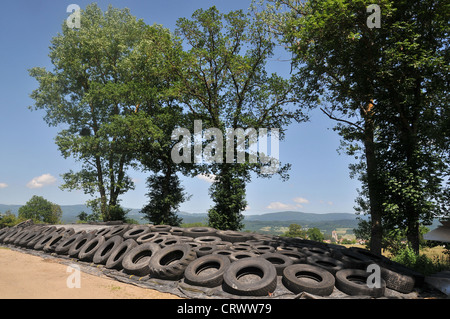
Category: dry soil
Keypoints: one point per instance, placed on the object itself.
(24, 276)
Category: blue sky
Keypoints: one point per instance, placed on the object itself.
(30, 163)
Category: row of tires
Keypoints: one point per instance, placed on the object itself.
(241, 263)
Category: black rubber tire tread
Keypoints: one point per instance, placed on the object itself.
(354, 283)
(102, 231)
(136, 232)
(53, 243)
(136, 261)
(169, 241)
(115, 259)
(117, 230)
(280, 261)
(354, 260)
(4, 233)
(325, 262)
(34, 240)
(262, 287)
(397, 280)
(64, 246)
(24, 233)
(90, 248)
(177, 231)
(315, 251)
(206, 240)
(193, 274)
(263, 249)
(233, 236)
(160, 228)
(78, 244)
(238, 255)
(145, 238)
(296, 256)
(25, 240)
(171, 262)
(104, 251)
(12, 235)
(204, 250)
(40, 244)
(195, 232)
(322, 284)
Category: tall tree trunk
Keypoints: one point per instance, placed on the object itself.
(373, 182)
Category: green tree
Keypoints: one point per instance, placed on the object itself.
(314, 234)
(8, 219)
(385, 87)
(295, 230)
(88, 93)
(225, 85)
(41, 210)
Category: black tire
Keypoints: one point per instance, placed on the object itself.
(171, 262)
(176, 231)
(32, 242)
(136, 232)
(90, 248)
(315, 251)
(223, 252)
(195, 232)
(117, 230)
(25, 240)
(236, 280)
(204, 250)
(307, 278)
(233, 236)
(238, 255)
(207, 240)
(104, 251)
(64, 246)
(4, 233)
(115, 258)
(21, 235)
(53, 243)
(12, 235)
(43, 241)
(296, 256)
(147, 237)
(354, 260)
(280, 261)
(325, 262)
(263, 249)
(102, 232)
(354, 283)
(136, 261)
(207, 271)
(160, 228)
(78, 244)
(169, 241)
(397, 280)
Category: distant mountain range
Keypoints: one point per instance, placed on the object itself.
(70, 213)
(274, 223)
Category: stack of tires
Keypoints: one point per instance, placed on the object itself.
(240, 263)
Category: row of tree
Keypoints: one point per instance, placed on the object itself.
(120, 87)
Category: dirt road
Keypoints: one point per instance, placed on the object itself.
(24, 276)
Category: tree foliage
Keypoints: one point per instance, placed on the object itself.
(41, 210)
(386, 89)
(224, 84)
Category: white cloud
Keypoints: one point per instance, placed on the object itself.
(206, 177)
(280, 205)
(3, 185)
(41, 181)
(301, 200)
